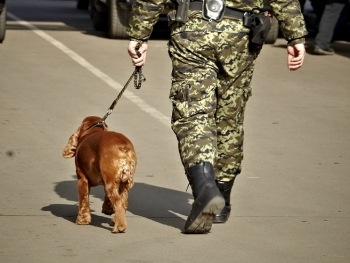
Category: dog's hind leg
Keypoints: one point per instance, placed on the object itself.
(84, 216)
(107, 207)
(112, 190)
(124, 189)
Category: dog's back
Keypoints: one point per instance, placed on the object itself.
(104, 156)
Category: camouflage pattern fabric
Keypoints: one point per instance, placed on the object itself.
(145, 14)
(211, 78)
(211, 83)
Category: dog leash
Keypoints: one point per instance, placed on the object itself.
(138, 79)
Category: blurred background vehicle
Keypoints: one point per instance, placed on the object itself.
(274, 31)
(3, 13)
(113, 16)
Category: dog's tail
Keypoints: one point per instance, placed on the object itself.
(127, 169)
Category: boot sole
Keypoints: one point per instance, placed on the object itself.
(201, 219)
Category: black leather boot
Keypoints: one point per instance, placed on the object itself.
(208, 200)
(225, 189)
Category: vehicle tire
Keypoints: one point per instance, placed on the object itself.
(118, 21)
(99, 16)
(273, 34)
(3, 24)
(83, 4)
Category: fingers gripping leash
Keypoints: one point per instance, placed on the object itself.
(138, 76)
(138, 79)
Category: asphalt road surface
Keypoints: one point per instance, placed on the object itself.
(291, 204)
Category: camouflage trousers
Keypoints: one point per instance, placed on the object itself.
(211, 84)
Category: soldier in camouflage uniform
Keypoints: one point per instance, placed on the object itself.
(211, 84)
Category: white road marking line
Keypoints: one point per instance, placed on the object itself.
(98, 73)
(40, 23)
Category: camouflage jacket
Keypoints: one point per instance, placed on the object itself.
(145, 14)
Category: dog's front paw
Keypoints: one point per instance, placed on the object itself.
(119, 229)
(119, 224)
(83, 219)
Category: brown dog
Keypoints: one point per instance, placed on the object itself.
(106, 158)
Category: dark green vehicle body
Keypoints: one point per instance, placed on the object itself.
(3, 13)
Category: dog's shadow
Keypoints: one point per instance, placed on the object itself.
(163, 205)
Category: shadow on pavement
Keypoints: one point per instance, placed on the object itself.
(162, 205)
(70, 212)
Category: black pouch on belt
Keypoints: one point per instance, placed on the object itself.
(259, 25)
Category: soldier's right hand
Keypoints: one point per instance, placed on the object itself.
(134, 54)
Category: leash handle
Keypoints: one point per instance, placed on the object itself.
(138, 76)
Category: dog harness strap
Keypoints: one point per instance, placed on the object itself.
(99, 123)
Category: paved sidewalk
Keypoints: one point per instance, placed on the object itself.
(291, 204)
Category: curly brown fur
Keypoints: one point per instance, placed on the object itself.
(105, 158)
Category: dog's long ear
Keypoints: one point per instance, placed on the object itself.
(69, 150)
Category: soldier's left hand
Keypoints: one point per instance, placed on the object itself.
(296, 55)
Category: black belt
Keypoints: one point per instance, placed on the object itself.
(229, 12)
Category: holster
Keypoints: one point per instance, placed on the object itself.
(260, 25)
